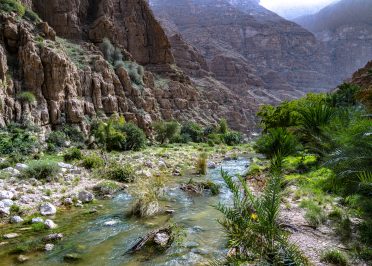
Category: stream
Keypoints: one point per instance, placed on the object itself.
(103, 238)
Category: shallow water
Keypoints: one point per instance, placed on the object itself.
(100, 244)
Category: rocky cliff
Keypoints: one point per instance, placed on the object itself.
(63, 67)
(345, 28)
(252, 50)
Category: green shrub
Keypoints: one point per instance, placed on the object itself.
(166, 131)
(74, 134)
(37, 227)
(223, 128)
(32, 16)
(93, 161)
(57, 139)
(72, 154)
(18, 141)
(135, 137)
(276, 141)
(12, 6)
(365, 231)
(108, 49)
(27, 97)
(41, 170)
(120, 173)
(233, 138)
(344, 96)
(192, 131)
(336, 257)
(314, 215)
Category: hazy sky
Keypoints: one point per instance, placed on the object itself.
(289, 8)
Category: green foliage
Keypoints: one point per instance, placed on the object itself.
(37, 227)
(93, 161)
(222, 126)
(192, 131)
(252, 218)
(120, 173)
(135, 137)
(232, 138)
(335, 257)
(41, 170)
(13, 6)
(276, 141)
(202, 164)
(344, 96)
(17, 140)
(72, 154)
(108, 49)
(314, 215)
(57, 138)
(32, 16)
(166, 131)
(27, 97)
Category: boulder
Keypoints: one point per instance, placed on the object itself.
(6, 195)
(85, 196)
(7, 203)
(12, 171)
(21, 166)
(48, 209)
(4, 212)
(53, 237)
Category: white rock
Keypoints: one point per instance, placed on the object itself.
(6, 195)
(37, 220)
(12, 171)
(68, 201)
(85, 196)
(49, 247)
(11, 235)
(53, 237)
(2, 205)
(4, 212)
(162, 164)
(110, 223)
(65, 165)
(48, 209)
(16, 220)
(21, 166)
(50, 224)
(161, 239)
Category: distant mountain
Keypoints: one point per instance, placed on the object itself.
(247, 47)
(346, 30)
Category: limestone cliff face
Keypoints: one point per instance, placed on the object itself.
(73, 83)
(250, 49)
(127, 23)
(32, 60)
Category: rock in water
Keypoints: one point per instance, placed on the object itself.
(85, 196)
(53, 237)
(161, 239)
(48, 209)
(72, 257)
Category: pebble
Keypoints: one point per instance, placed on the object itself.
(68, 201)
(53, 237)
(16, 220)
(65, 165)
(211, 165)
(37, 220)
(49, 247)
(11, 235)
(48, 209)
(22, 258)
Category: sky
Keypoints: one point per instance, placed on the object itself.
(294, 8)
